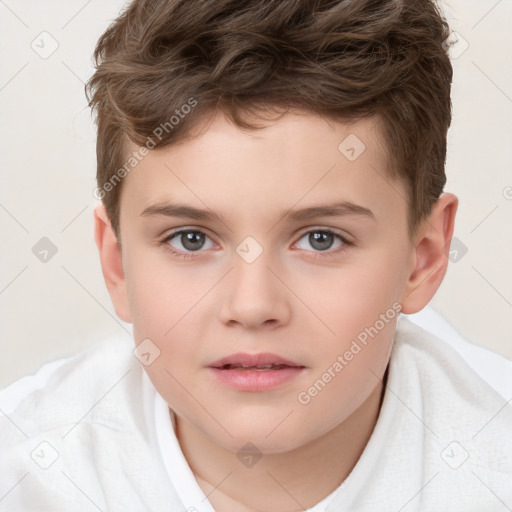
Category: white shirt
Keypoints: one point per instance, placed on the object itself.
(91, 432)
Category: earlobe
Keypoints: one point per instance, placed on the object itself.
(111, 263)
(431, 250)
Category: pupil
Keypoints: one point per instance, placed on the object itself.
(192, 240)
(321, 241)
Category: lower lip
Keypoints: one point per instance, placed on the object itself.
(247, 380)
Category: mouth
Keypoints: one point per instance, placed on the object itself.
(255, 372)
(264, 361)
(255, 368)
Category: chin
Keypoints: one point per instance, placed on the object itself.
(267, 435)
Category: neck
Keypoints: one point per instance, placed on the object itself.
(290, 481)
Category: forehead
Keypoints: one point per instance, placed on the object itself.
(300, 159)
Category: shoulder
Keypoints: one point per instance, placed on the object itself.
(441, 371)
(493, 368)
(442, 440)
(49, 375)
(460, 420)
(87, 420)
(81, 389)
(69, 379)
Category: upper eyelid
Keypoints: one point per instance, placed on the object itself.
(178, 231)
(307, 230)
(344, 238)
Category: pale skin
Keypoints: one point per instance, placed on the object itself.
(295, 300)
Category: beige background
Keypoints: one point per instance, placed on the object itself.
(47, 166)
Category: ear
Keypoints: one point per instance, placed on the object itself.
(111, 263)
(432, 245)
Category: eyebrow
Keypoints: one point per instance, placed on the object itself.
(330, 210)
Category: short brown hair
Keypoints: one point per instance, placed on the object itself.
(342, 59)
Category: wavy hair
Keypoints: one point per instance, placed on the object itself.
(342, 59)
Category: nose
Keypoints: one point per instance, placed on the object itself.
(254, 297)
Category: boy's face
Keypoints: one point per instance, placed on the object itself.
(259, 281)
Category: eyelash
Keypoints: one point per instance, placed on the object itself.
(316, 254)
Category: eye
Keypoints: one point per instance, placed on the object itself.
(188, 240)
(321, 240)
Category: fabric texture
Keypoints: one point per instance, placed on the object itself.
(93, 434)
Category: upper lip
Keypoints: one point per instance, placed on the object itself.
(242, 359)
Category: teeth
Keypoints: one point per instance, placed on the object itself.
(260, 367)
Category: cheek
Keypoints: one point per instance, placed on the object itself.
(353, 296)
(349, 369)
(164, 310)
(165, 302)
(162, 294)
(359, 305)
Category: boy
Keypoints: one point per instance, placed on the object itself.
(271, 177)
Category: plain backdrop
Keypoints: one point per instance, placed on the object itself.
(52, 308)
